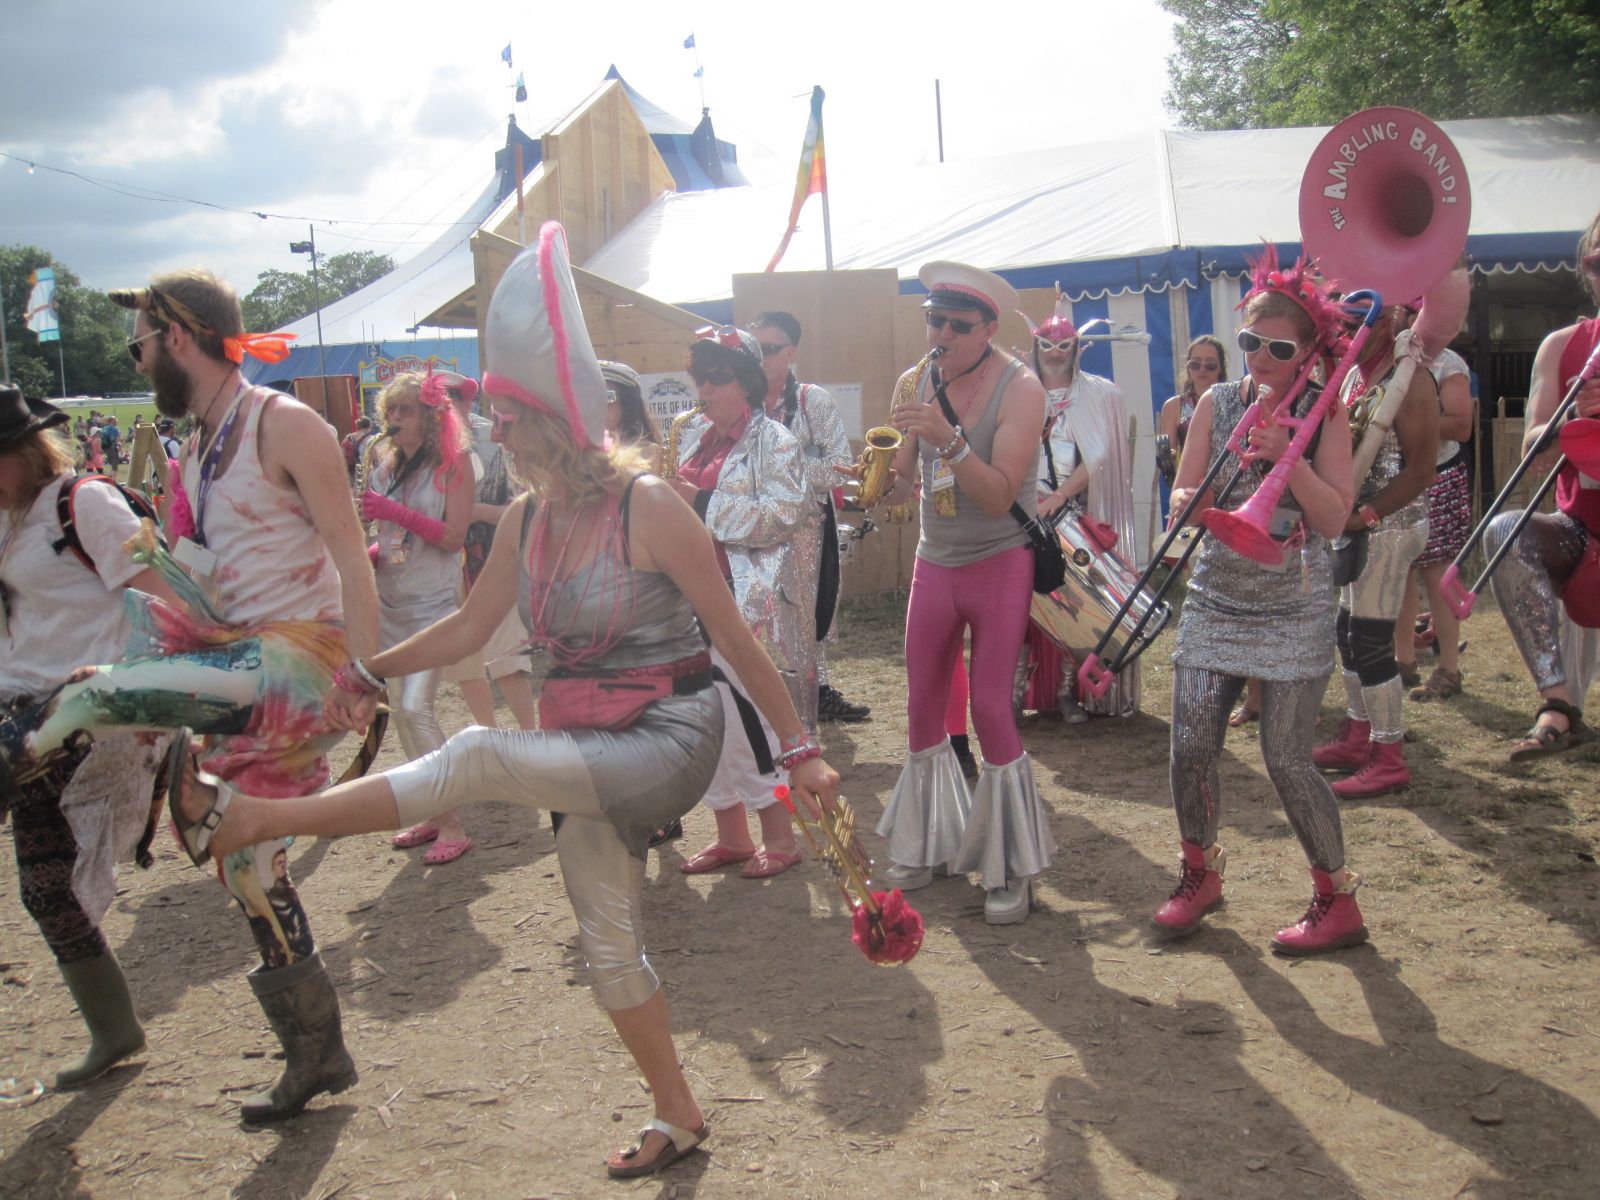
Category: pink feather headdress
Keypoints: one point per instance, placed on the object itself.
(436, 395)
(1299, 284)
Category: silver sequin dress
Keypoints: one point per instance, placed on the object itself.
(1239, 617)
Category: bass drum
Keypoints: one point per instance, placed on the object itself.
(1077, 614)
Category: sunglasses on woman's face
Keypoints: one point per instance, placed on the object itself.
(962, 328)
(715, 376)
(1280, 348)
(1203, 364)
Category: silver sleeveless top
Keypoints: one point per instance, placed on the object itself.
(659, 626)
(429, 577)
(1240, 617)
(972, 535)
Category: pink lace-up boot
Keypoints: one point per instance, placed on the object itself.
(1199, 890)
(1350, 748)
(1384, 772)
(1331, 923)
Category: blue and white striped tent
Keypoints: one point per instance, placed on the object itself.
(1150, 231)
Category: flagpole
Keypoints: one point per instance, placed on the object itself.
(61, 361)
(827, 230)
(5, 349)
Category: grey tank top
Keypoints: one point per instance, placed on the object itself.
(657, 623)
(1240, 617)
(971, 535)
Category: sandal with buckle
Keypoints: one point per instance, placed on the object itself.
(195, 835)
(1544, 740)
(1441, 685)
(680, 1142)
(1243, 715)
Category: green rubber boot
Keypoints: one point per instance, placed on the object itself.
(114, 1031)
(303, 1009)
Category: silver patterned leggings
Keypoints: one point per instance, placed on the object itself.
(1526, 582)
(1201, 701)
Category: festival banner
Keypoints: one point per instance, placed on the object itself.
(42, 316)
(813, 175)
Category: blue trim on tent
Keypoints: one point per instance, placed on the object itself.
(1192, 265)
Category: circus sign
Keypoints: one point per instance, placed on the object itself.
(380, 371)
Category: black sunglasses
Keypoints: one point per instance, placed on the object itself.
(135, 350)
(939, 321)
(768, 349)
(715, 376)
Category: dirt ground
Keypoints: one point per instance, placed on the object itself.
(1072, 1056)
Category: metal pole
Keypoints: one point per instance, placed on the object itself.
(61, 360)
(938, 117)
(316, 294)
(5, 350)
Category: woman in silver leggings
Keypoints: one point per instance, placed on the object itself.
(614, 576)
(1243, 620)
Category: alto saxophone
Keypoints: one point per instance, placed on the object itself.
(669, 452)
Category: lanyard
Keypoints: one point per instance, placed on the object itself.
(208, 465)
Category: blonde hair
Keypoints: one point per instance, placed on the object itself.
(551, 462)
(47, 454)
(407, 386)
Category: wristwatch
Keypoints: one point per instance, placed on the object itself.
(1369, 516)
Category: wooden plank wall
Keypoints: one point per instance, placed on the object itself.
(609, 170)
(650, 338)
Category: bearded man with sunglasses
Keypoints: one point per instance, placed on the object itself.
(1086, 467)
(972, 425)
(280, 593)
(1391, 520)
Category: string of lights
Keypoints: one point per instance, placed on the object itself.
(136, 192)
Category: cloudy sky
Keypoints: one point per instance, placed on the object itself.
(379, 121)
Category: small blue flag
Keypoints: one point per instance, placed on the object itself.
(688, 42)
(522, 89)
(505, 55)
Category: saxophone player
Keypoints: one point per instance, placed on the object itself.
(978, 451)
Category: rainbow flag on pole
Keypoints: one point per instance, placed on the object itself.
(813, 175)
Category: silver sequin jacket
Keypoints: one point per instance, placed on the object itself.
(759, 504)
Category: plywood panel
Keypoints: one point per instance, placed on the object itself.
(848, 319)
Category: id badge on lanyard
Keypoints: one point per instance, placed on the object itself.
(191, 552)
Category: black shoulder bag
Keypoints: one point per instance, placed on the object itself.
(1049, 563)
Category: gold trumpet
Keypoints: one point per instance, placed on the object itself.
(886, 928)
(669, 452)
(877, 456)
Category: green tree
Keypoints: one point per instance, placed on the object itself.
(93, 332)
(1245, 64)
(280, 297)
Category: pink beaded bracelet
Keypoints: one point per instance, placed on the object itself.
(790, 759)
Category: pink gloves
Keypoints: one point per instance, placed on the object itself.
(380, 508)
